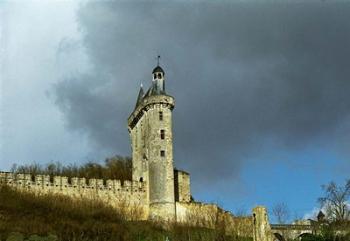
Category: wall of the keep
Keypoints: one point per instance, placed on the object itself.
(161, 169)
(145, 130)
(128, 195)
(138, 136)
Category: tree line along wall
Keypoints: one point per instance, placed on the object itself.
(111, 192)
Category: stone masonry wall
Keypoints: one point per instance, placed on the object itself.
(133, 195)
(212, 216)
(262, 229)
(128, 195)
(182, 186)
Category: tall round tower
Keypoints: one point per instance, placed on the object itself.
(150, 127)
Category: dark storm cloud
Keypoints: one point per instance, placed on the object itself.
(246, 76)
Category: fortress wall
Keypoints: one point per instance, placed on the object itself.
(197, 214)
(182, 186)
(211, 216)
(261, 224)
(129, 195)
(241, 226)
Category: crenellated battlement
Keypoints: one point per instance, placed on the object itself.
(63, 182)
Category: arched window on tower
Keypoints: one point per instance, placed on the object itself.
(159, 75)
(154, 76)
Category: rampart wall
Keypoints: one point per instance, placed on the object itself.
(131, 195)
(182, 186)
(212, 216)
(112, 192)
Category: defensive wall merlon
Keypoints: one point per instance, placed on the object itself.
(45, 181)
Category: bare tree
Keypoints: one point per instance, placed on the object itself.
(281, 212)
(335, 201)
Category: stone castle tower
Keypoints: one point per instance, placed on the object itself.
(150, 128)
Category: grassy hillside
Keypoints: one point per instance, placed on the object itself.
(24, 216)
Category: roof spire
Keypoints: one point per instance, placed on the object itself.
(158, 58)
(140, 96)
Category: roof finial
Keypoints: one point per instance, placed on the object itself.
(158, 58)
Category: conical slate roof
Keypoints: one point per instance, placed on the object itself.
(140, 96)
(153, 90)
(158, 69)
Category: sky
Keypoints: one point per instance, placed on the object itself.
(262, 111)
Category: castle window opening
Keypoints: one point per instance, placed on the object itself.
(162, 134)
(162, 153)
(159, 75)
(155, 76)
(160, 115)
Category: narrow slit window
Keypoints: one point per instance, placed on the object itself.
(162, 134)
(160, 115)
(162, 153)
